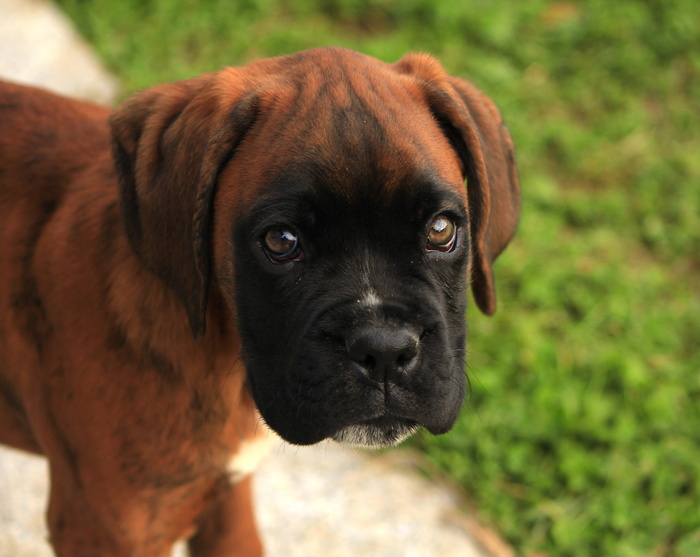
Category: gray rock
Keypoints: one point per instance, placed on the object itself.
(39, 46)
(332, 500)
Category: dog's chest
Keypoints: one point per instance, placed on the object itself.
(250, 454)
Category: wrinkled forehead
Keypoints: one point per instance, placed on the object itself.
(372, 119)
(356, 130)
(311, 189)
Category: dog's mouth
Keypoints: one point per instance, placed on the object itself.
(377, 432)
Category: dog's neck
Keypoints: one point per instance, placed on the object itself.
(153, 323)
(205, 376)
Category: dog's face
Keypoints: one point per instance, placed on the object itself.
(350, 294)
(334, 188)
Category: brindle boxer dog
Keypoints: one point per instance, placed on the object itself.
(290, 239)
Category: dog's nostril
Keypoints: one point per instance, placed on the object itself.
(368, 362)
(382, 352)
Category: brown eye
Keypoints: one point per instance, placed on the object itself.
(442, 234)
(282, 244)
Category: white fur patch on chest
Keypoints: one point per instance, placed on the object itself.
(250, 454)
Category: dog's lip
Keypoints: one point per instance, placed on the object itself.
(387, 422)
(382, 431)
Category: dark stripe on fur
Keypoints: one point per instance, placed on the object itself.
(27, 303)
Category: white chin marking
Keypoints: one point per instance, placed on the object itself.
(374, 436)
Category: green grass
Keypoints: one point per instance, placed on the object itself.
(581, 435)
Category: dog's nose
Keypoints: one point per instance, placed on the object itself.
(383, 352)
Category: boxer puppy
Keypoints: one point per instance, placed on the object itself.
(291, 239)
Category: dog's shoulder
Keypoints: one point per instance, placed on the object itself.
(20, 102)
(45, 138)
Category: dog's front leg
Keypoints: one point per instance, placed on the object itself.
(77, 530)
(228, 528)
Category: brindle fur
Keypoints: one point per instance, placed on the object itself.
(120, 358)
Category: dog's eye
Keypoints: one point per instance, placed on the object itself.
(442, 234)
(282, 244)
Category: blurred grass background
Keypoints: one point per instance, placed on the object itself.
(581, 435)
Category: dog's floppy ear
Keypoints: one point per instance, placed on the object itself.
(170, 143)
(476, 130)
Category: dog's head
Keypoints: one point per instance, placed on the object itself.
(323, 194)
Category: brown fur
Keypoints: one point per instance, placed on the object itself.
(99, 367)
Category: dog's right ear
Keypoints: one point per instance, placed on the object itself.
(170, 144)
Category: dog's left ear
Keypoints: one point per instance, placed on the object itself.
(476, 130)
(170, 143)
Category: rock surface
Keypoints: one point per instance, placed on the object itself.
(40, 46)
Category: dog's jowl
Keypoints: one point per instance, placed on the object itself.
(283, 245)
